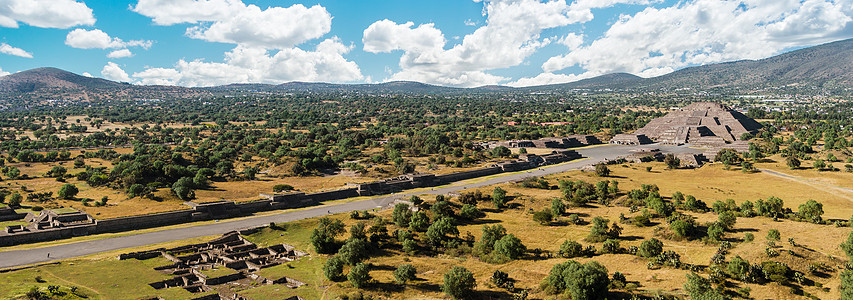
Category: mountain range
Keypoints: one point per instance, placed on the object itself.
(826, 67)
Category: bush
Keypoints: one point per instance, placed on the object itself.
(404, 273)
(354, 251)
(439, 232)
(458, 283)
(280, 187)
(700, 288)
(601, 170)
(571, 249)
(543, 217)
(470, 212)
(419, 222)
(334, 268)
(650, 248)
(557, 207)
(579, 281)
(715, 232)
(611, 246)
(847, 284)
(359, 275)
(811, 211)
(401, 215)
(681, 228)
(775, 271)
(748, 237)
(510, 247)
(68, 191)
(15, 199)
(499, 197)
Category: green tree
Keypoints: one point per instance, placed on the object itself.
(579, 281)
(359, 275)
(681, 228)
(470, 212)
(490, 236)
(57, 171)
(792, 162)
(441, 230)
(323, 237)
(847, 284)
(401, 215)
(510, 247)
(419, 222)
(458, 283)
(601, 170)
(68, 191)
(404, 273)
(671, 161)
(334, 268)
(773, 235)
(499, 197)
(715, 231)
(700, 288)
(600, 230)
(571, 249)
(543, 217)
(354, 251)
(812, 211)
(847, 246)
(650, 248)
(558, 207)
(819, 164)
(727, 220)
(15, 199)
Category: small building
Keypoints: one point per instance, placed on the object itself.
(56, 218)
(630, 139)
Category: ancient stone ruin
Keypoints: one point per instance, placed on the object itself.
(701, 123)
(230, 251)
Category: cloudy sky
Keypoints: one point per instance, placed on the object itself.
(446, 42)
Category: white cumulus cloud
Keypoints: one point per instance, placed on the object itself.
(45, 13)
(511, 34)
(3, 73)
(120, 53)
(113, 72)
(657, 41)
(97, 39)
(255, 65)
(267, 43)
(6, 49)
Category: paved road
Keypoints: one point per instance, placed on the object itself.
(31, 256)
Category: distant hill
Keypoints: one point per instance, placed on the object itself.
(48, 78)
(827, 66)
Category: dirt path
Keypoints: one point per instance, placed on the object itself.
(848, 193)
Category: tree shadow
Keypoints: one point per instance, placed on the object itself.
(630, 238)
(745, 230)
(483, 221)
(386, 287)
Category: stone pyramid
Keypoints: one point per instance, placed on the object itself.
(701, 123)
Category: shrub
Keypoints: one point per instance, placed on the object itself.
(401, 215)
(579, 281)
(471, 212)
(601, 170)
(543, 217)
(280, 187)
(775, 271)
(510, 247)
(419, 222)
(68, 191)
(354, 251)
(571, 249)
(458, 282)
(611, 246)
(404, 273)
(334, 268)
(681, 228)
(748, 237)
(650, 248)
(811, 211)
(499, 197)
(359, 275)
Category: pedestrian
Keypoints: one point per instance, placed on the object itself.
(48, 254)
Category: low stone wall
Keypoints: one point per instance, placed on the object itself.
(448, 178)
(334, 195)
(144, 221)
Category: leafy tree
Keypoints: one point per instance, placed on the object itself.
(819, 164)
(57, 171)
(579, 281)
(570, 249)
(601, 170)
(441, 230)
(15, 199)
(600, 230)
(419, 222)
(470, 212)
(404, 273)
(811, 211)
(441, 209)
(700, 288)
(499, 197)
(847, 284)
(715, 231)
(558, 207)
(359, 275)
(334, 268)
(611, 246)
(681, 228)
(775, 271)
(773, 235)
(490, 236)
(323, 237)
(728, 157)
(727, 220)
(738, 267)
(458, 283)
(650, 248)
(510, 247)
(847, 246)
(401, 215)
(12, 172)
(354, 251)
(671, 161)
(792, 162)
(68, 191)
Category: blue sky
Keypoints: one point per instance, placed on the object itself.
(445, 42)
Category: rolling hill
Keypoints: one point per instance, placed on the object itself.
(828, 66)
